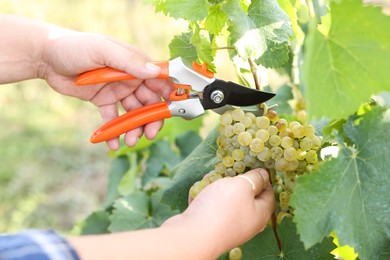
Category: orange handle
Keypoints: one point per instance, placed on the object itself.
(109, 74)
(131, 120)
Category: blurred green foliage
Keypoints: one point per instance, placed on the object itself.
(50, 175)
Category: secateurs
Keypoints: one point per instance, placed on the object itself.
(207, 93)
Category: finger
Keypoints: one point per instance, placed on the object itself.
(129, 60)
(109, 112)
(132, 136)
(160, 86)
(265, 203)
(257, 178)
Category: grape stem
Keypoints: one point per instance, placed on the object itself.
(273, 217)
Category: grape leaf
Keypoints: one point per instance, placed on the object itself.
(95, 223)
(348, 194)
(192, 169)
(262, 33)
(215, 20)
(350, 62)
(265, 246)
(203, 49)
(180, 46)
(188, 9)
(161, 155)
(187, 142)
(138, 210)
(282, 97)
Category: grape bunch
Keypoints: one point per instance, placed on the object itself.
(286, 149)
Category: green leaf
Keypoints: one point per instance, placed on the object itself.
(119, 167)
(187, 142)
(283, 95)
(216, 19)
(203, 49)
(138, 211)
(192, 169)
(263, 33)
(96, 223)
(187, 9)
(350, 62)
(265, 246)
(128, 182)
(348, 194)
(180, 46)
(161, 155)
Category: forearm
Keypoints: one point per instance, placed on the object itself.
(21, 44)
(173, 242)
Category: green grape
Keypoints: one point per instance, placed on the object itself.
(228, 161)
(284, 199)
(247, 121)
(296, 144)
(221, 153)
(235, 254)
(302, 165)
(281, 165)
(230, 172)
(239, 167)
(249, 161)
(251, 116)
(272, 130)
(237, 114)
(234, 142)
(309, 130)
(281, 125)
(290, 153)
(238, 128)
(264, 155)
(292, 165)
(244, 138)
(226, 118)
(219, 167)
(256, 145)
(286, 142)
(292, 124)
(214, 177)
(228, 131)
(269, 164)
(281, 215)
(302, 116)
(289, 175)
(262, 134)
(300, 154)
(286, 132)
(276, 153)
(194, 190)
(306, 143)
(311, 156)
(316, 142)
(272, 115)
(252, 132)
(298, 131)
(252, 153)
(238, 154)
(274, 140)
(203, 183)
(262, 122)
(245, 149)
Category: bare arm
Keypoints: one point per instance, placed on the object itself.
(224, 215)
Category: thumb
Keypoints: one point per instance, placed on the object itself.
(130, 60)
(256, 178)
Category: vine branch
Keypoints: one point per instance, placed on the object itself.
(253, 67)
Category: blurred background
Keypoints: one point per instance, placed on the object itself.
(50, 175)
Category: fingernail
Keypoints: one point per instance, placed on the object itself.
(265, 175)
(152, 68)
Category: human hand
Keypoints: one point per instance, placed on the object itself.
(231, 210)
(66, 54)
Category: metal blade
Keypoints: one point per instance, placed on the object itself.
(221, 93)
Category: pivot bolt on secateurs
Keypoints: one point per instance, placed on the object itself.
(207, 93)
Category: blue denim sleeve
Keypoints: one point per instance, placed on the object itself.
(36, 245)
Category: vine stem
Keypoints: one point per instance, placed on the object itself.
(253, 67)
(222, 48)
